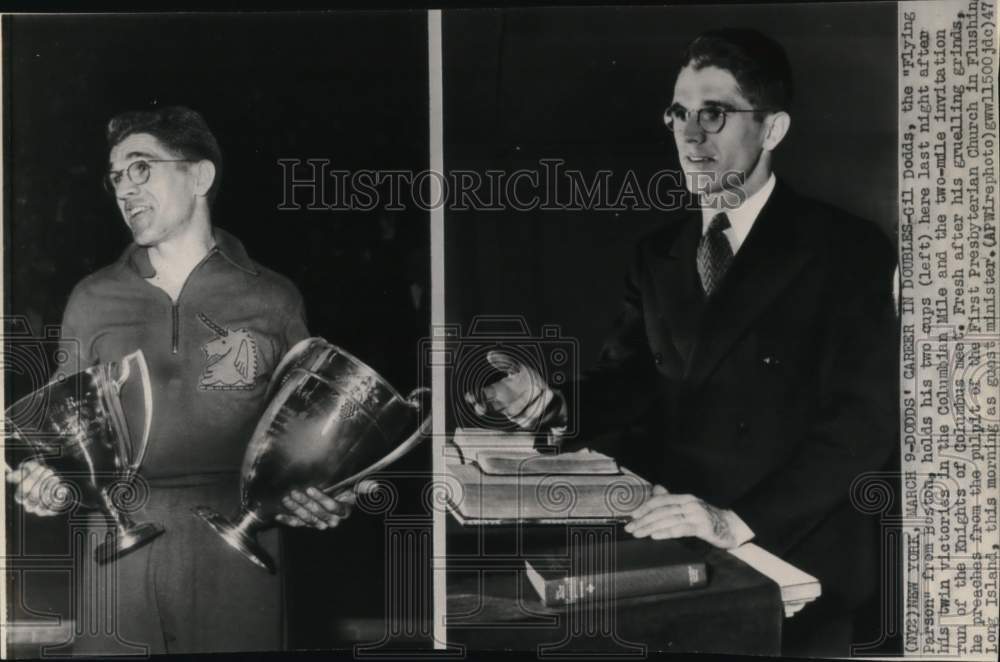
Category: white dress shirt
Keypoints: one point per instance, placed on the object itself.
(741, 218)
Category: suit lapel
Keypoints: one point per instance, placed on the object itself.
(678, 290)
(771, 256)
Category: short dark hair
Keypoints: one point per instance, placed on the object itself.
(758, 63)
(181, 130)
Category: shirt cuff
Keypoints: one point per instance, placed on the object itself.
(741, 532)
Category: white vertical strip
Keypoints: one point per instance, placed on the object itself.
(435, 88)
(3, 492)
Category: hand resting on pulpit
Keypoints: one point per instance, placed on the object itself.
(666, 515)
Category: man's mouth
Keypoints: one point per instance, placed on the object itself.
(699, 160)
(133, 211)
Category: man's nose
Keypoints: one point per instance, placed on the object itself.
(126, 188)
(693, 133)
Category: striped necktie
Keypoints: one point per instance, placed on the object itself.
(714, 254)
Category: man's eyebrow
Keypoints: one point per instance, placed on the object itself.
(135, 155)
(713, 103)
(707, 103)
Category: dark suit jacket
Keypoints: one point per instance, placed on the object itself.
(771, 397)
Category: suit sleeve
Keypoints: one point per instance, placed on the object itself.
(857, 423)
(623, 384)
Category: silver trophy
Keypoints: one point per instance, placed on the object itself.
(331, 420)
(76, 425)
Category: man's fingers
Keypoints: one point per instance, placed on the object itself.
(485, 400)
(299, 510)
(671, 509)
(493, 398)
(654, 519)
(681, 530)
(521, 396)
(526, 413)
(526, 396)
(668, 517)
(43, 488)
(471, 398)
(346, 497)
(687, 518)
(651, 508)
(14, 476)
(321, 507)
(30, 475)
(319, 499)
(661, 500)
(350, 496)
(40, 490)
(367, 486)
(514, 397)
(314, 508)
(25, 473)
(289, 520)
(504, 362)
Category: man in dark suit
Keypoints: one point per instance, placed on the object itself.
(752, 371)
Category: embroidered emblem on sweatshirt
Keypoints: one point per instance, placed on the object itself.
(232, 359)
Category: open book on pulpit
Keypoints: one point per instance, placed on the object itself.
(499, 477)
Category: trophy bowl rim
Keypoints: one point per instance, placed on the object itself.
(98, 376)
(57, 380)
(316, 340)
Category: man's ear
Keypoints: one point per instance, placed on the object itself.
(777, 126)
(204, 172)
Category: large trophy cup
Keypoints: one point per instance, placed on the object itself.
(330, 421)
(76, 426)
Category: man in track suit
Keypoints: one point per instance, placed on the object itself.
(752, 371)
(177, 292)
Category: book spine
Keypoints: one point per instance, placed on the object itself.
(625, 584)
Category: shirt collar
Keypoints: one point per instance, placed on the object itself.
(741, 218)
(226, 245)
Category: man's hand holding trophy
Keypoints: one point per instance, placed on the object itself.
(330, 422)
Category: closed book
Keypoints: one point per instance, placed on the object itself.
(476, 497)
(622, 569)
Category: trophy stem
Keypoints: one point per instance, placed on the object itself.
(241, 536)
(128, 536)
(122, 522)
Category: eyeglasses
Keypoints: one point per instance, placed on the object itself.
(711, 119)
(137, 171)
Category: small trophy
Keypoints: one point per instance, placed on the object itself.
(77, 427)
(331, 420)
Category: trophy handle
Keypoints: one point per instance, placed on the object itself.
(412, 398)
(422, 431)
(147, 393)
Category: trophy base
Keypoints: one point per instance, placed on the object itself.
(126, 541)
(237, 539)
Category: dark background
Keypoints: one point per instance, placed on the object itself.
(589, 86)
(351, 88)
